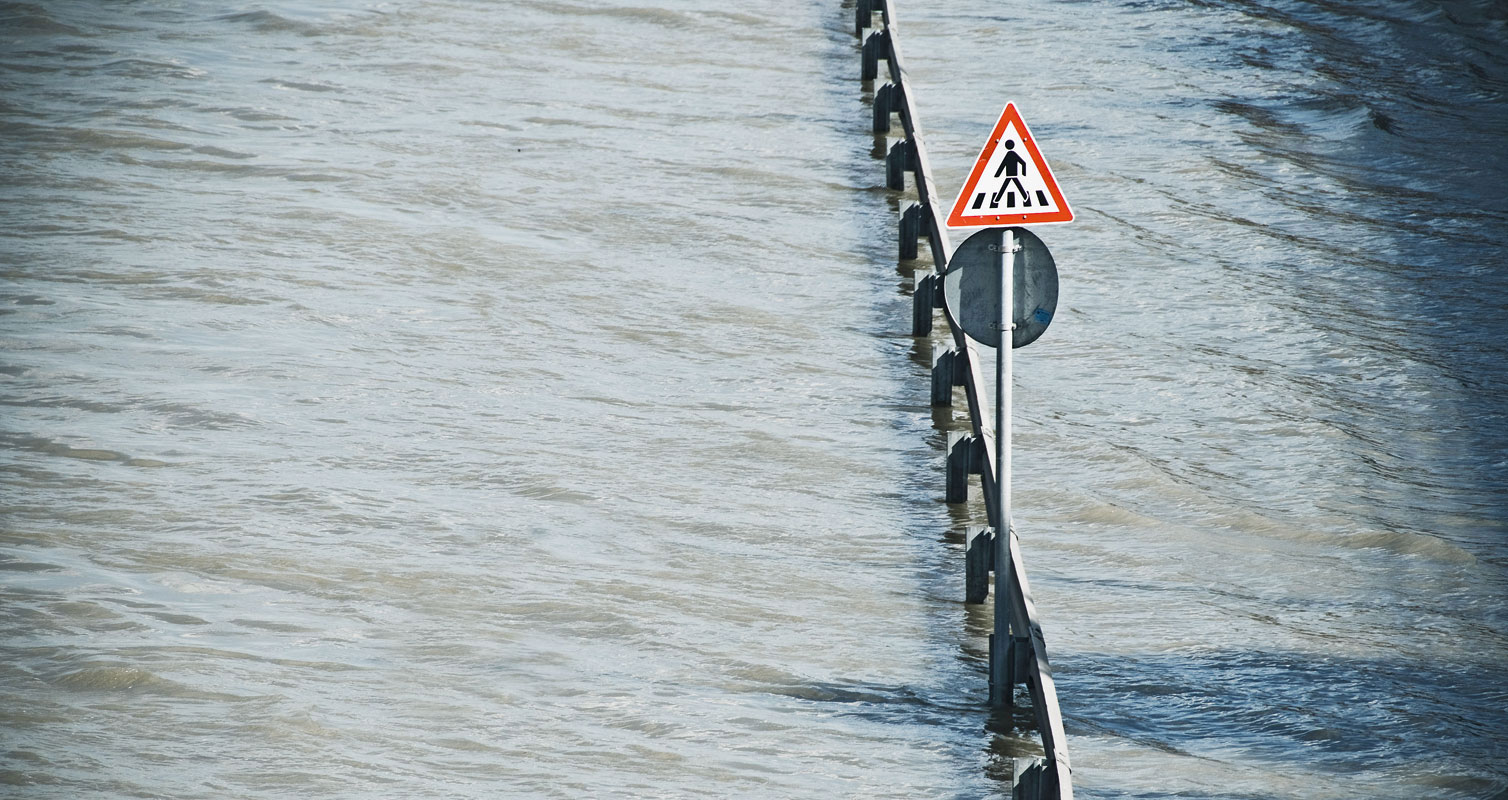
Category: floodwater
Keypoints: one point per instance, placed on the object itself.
(474, 399)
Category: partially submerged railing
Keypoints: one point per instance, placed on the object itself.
(1022, 658)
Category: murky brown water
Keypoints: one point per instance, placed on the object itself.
(513, 399)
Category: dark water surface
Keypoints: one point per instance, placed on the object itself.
(471, 399)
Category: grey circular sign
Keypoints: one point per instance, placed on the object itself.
(971, 286)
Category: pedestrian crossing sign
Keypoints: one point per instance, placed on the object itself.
(1010, 184)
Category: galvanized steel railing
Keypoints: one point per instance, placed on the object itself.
(1024, 657)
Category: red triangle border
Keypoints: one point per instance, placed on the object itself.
(1063, 214)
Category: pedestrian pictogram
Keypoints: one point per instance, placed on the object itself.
(1007, 187)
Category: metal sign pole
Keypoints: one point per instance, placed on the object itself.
(1004, 574)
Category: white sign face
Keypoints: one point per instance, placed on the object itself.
(1011, 183)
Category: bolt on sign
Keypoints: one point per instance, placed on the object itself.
(1011, 183)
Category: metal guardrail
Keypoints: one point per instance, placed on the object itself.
(1022, 658)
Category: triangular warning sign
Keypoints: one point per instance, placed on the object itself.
(1010, 184)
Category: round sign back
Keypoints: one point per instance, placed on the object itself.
(971, 286)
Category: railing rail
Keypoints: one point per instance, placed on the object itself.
(1026, 659)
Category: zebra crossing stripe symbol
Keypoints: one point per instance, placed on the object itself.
(1011, 183)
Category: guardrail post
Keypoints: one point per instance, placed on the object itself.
(897, 161)
(978, 561)
(882, 108)
(863, 17)
(960, 461)
(876, 48)
(911, 230)
(1018, 658)
(1033, 780)
(942, 374)
(923, 298)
